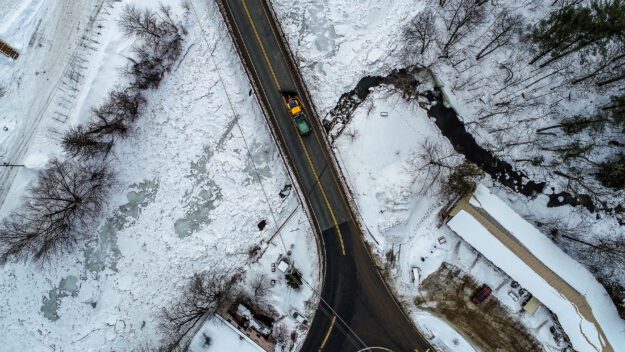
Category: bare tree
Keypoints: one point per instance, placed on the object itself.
(66, 197)
(203, 296)
(116, 115)
(420, 33)
(260, 286)
(113, 119)
(609, 65)
(616, 291)
(502, 31)
(431, 165)
(162, 44)
(601, 251)
(142, 23)
(462, 17)
(78, 142)
(463, 180)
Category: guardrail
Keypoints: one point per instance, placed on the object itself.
(340, 177)
(277, 139)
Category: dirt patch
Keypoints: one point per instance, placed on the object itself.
(489, 326)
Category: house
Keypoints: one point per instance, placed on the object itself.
(250, 325)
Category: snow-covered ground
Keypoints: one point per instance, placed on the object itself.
(400, 216)
(339, 42)
(195, 179)
(217, 335)
(442, 333)
(52, 37)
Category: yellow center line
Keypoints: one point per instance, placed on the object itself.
(325, 339)
(262, 47)
(310, 163)
(323, 193)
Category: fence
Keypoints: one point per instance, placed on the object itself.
(7, 50)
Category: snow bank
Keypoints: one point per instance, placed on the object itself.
(36, 161)
(583, 334)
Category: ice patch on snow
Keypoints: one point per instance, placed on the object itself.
(67, 287)
(104, 252)
(199, 206)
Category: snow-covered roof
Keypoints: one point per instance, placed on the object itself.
(223, 336)
(283, 266)
(584, 334)
(260, 327)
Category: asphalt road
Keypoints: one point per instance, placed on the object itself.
(356, 310)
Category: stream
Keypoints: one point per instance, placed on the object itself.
(407, 80)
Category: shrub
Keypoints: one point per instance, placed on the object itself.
(294, 279)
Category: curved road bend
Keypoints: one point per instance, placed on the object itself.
(357, 310)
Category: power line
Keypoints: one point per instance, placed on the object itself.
(333, 312)
(236, 121)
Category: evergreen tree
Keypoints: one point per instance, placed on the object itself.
(580, 29)
(612, 173)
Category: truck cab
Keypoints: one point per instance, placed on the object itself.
(296, 110)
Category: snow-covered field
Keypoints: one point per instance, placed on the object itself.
(339, 42)
(51, 37)
(195, 178)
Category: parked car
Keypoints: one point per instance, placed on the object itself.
(481, 294)
(299, 318)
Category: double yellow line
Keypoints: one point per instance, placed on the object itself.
(301, 140)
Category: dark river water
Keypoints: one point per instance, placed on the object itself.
(454, 130)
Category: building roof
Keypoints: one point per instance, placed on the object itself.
(585, 311)
(283, 266)
(223, 336)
